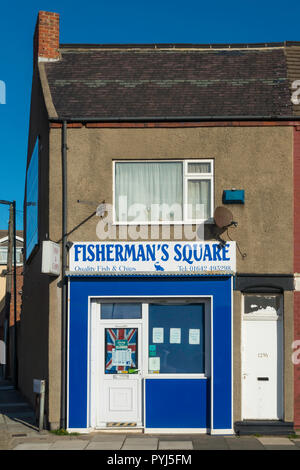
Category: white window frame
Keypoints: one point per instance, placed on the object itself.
(4, 249)
(207, 341)
(185, 178)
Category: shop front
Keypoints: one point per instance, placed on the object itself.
(148, 349)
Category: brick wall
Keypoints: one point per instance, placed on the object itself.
(46, 36)
(297, 269)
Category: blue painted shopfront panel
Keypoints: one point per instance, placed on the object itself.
(81, 288)
(177, 403)
(222, 358)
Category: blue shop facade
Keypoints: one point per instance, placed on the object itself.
(150, 336)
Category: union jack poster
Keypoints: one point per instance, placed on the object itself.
(121, 349)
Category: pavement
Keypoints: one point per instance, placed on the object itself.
(18, 431)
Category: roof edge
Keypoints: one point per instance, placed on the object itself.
(180, 45)
(145, 119)
(52, 113)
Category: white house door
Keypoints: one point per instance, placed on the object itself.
(120, 385)
(262, 354)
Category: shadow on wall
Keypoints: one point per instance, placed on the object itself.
(4, 334)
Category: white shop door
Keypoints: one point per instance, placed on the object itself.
(121, 380)
(262, 351)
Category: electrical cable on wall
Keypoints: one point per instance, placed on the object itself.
(243, 255)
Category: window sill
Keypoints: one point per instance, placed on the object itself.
(175, 376)
(261, 317)
(186, 222)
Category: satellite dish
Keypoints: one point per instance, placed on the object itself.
(223, 217)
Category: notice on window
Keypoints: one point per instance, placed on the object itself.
(152, 350)
(175, 335)
(194, 336)
(121, 357)
(154, 364)
(158, 335)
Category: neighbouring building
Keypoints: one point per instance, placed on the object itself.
(164, 178)
(7, 313)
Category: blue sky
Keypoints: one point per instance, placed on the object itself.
(119, 21)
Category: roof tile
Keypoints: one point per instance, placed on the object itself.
(170, 83)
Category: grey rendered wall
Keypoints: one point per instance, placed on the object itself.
(256, 159)
(33, 346)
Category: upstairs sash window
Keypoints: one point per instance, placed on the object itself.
(163, 191)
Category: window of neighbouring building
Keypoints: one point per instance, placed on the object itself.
(4, 253)
(32, 181)
(163, 191)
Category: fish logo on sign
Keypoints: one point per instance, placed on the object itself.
(158, 267)
(115, 337)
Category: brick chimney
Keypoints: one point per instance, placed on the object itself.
(46, 37)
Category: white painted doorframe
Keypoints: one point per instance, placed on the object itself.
(99, 381)
(262, 366)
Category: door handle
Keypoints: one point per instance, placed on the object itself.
(263, 379)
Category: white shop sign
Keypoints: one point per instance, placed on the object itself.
(51, 258)
(146, 257)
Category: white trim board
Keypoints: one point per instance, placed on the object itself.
(222, 432)
(81, 430)
(5, 239)
(176, 430)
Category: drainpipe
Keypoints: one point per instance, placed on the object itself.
(64, 282)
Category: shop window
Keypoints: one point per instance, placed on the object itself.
(163, 191)
(176, 339)
(121, 353)
(120, 310)
(266, 305)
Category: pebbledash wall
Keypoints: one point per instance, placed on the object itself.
(239, 155)
(92, 151)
